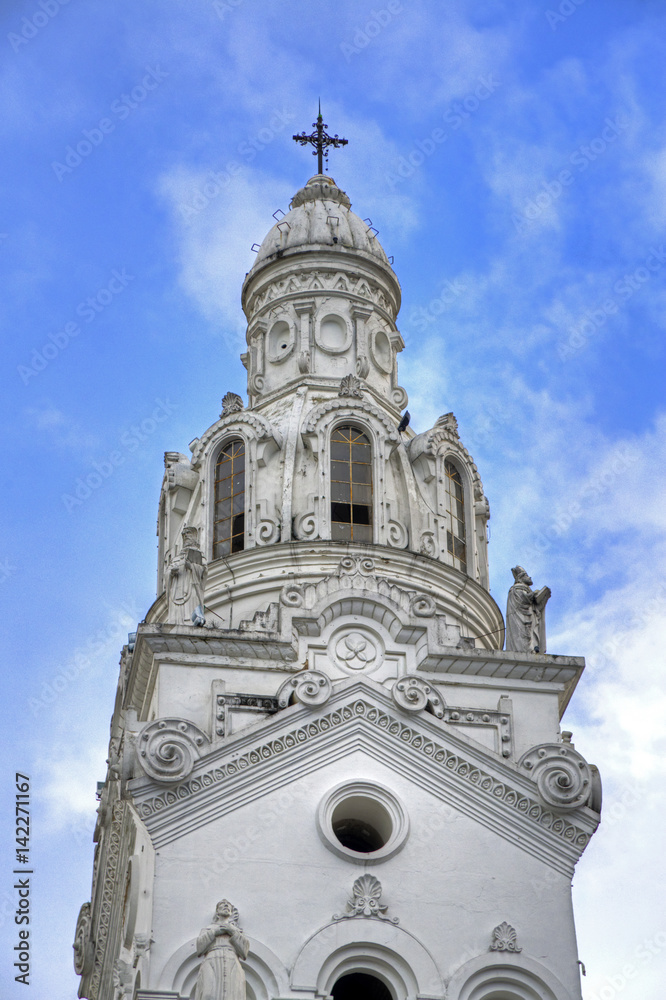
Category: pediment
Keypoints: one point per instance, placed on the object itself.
(361, 715)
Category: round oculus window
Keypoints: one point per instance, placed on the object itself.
(362, 821)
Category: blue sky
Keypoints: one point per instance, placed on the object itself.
(512, 156)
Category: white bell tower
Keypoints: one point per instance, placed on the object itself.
(326, 777)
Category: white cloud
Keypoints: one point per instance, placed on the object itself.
(63, 431)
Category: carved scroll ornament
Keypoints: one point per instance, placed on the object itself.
(562, 775)
(169, 748)
(310, 687)
(413, 694)
(83, 946)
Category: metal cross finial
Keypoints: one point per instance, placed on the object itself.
(320, 140)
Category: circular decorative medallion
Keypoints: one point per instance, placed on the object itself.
(355, 649)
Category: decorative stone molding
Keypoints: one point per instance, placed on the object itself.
(423, 606)
(83, 945)
(362, 366)
(357, 574)
(499, 719)
(169, 748)
(399, 397)
(366, 901)
(499, 788)
(265, 439)
(561, 774)
(322, 279)
(304, 362)
(228, 703)
(322, 415)
(441, 438)
(414, 694)
(397, 535)
(116, 851)
(310, 688)
(123, 979)
(140, 947)
(231, 403)
(357, 648)
(351, 385)
(306, 526)
(504, 938)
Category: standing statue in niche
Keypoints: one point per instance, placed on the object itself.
(221, 976)
(187, 576)
(525, 615)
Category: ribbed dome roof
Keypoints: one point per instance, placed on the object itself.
(320, 216)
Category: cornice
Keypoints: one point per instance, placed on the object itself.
(361, 715)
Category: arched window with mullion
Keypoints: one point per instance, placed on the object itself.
(455, 505)
(229, 516)
(351, 485)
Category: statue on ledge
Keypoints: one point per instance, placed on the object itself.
(525, 615)
(222, 944)
(187, 576)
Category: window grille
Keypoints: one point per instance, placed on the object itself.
(455, 505)
(229, 517)
(351, 485)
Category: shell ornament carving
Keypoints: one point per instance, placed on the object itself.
(231, 403)
(366, 900)
(504, 938)
(311, 688)
(413, 694)
(562, 775)
(169, 748)
(83, 946)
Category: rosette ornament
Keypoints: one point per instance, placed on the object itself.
(168, 749)
(563, 777)
(311, 688)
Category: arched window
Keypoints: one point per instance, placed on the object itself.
(351, 485)
(229, 515)
(455, 507)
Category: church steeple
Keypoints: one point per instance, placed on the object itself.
(316, 719)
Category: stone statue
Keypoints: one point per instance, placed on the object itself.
(221, 976)
(187, 576)
(525, 615)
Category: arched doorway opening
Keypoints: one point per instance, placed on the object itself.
(360, 986)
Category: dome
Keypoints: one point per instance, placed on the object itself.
(319, 216)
